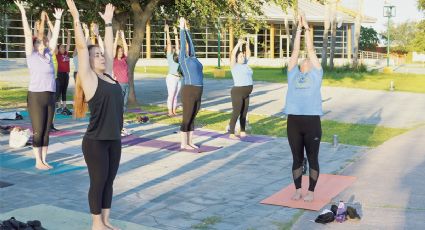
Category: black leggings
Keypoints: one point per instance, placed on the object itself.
(240, 104)
(41, 108)
(63, 80)
(191, 100)
(102, 159)
(304, 132)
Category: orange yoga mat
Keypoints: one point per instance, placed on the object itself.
(328, 186)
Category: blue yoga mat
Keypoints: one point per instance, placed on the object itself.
(57, 116)
(24, 163)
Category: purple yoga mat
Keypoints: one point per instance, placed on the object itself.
(251, 139)
(146, 112)
(168, 145)
(62, 133)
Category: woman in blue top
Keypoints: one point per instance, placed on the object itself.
(173, 78)
(192, 88)
(242, 78)
(304, 108)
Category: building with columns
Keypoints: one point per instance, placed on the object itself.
(269, 42)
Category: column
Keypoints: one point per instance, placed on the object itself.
(272, 33)
(148, 40)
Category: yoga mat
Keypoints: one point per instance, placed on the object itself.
(137, 110)
(132, 140)
(57, 116)
(251, 139)
(62, 133)
(328, 186)
(53, 217)
(24, 163)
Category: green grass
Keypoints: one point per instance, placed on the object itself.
(352, 134)
(341, 77)
(288, 225)
(15, 96)
(207, 223)
(12, 97)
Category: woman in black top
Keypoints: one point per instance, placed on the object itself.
(102, 141)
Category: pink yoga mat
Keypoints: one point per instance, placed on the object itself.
(132, 140)
(328, 186)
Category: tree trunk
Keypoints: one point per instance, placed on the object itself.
(288, 36)
(140, 18)
(357, 26)
(294, 29)
(325, 37)
(333, 35)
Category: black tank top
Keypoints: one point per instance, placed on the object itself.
(106, 111)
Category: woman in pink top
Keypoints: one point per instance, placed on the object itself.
(42, 87)
(120, 65)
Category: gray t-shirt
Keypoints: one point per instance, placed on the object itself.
(304, 96)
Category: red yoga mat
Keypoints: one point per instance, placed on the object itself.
(328, 186)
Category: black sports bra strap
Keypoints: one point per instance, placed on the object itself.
(109, 76)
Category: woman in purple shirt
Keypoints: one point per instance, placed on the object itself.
(42, 87)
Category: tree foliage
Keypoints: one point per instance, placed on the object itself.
(368, 38)
(407, 36)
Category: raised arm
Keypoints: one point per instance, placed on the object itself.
(176, 39)
(109, 37)
(40, 34)
(189, 38)
(84, 69)
(68, 40)
(49, 23)
(293, 61)
(86, 33)
(117, 34)
(124, 43)
(36, 28)
(182, 54)
(248, 49)
(168, 39)
(234, 51)
(55, 34)
(311, 52)
(27, 31)
(98, 37)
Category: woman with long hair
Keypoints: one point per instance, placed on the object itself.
(121, 66)
(193, 81)
(173, 79)
(242, 79)
(304, 108)
(42, 87)
(102, 140)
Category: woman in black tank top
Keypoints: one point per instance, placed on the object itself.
(102, 141)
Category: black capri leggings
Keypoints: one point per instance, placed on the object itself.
(63, 80)
(102, 158)
(191, 100)
(304, 132)
(240, 103)
(41, 108)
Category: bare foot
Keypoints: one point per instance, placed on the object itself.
(309, 197)
(297, 195)
(187, 147)
(41, 166)
(110, 226)
(242, 134)
(233, 136)
(46, 164)
(193, 146)
(175, 113)
(99, 226)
